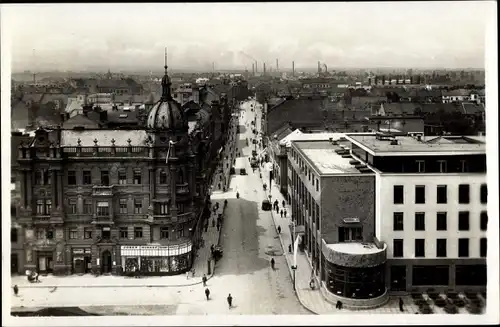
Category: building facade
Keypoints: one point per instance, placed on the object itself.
(333, 209)
(116, 201)
(431, 208)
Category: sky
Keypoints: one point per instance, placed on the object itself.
(351, 35)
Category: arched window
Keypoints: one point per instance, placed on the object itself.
(163, 177)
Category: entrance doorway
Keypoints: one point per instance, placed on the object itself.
(45, 263)
(14, 264)
(106, 262)
(398, 278)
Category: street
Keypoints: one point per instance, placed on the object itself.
(249, 241)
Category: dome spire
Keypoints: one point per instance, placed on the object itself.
(165, 82)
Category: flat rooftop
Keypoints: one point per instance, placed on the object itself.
(355, 248)
(426, 145)
(322, 156)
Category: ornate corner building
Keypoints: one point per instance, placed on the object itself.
(118, 201)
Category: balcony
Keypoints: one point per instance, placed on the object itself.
(102, 190)
(46, 220)
(183, 188)
(104, 220)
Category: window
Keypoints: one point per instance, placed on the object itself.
(87, 177)
(484, 220)
(421, 166)
(397, 245)
(419, 248)
(442, 196)
(484, 193)
(123, 232)
(441, 248)
(442, 166)
(137, 232)
(317, 185)
(72, 206)
(163, 177)
(103, 209)
(398, 194)
(38, 177)
(137, 177)
(122, 177)
(398, 223)
(71, 177)
(180, 207)
(164, 232)
(123, 205)
(463, 247)
(464, 167)
(463, 220)
(474, 275)
(104, 177)
(39, 207)
(463, 193)
(430, 275)
(441, 223)
(13, 235)
(420, 221)
(350, 234)
(483, 247)
(164, 208)
(87, 206)
(420, 194)
(73, 233)
(106, 233)
(137, 206)
(180, 232)
(48, 207)
(87, 233)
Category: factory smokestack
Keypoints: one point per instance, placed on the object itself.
(293, 68)
(264, 68)
(277, 65)
(319, 67)
(253, 69)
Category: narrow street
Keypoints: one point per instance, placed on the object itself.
(249, 241)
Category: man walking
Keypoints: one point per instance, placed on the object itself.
(230, 300)
(279, 229)
(281, 213)
(204, 279)
(284, 213)
(16, 291)
(401, 305)
(283, 203)
(207, 293)
(272, 263)
(277, 209)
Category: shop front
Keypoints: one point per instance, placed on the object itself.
(353, 273)
(45, 262)
(156, 260)
(82, 260)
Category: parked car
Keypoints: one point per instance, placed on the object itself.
(266, 205)
(243, 171)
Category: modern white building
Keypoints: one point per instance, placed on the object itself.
(430, 208)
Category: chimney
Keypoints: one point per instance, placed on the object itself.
(264, 68)
(253, 69)
(293, 68)
(277, 65)
(319, 67)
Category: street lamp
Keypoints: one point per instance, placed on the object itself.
(294, 268)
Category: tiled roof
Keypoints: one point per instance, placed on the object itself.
(81, 120)
(297, 112)
(399, 108)
(459, 92)
(472, 108)
(366, 100)
(122, 116)
(436, 107)
(104, 137)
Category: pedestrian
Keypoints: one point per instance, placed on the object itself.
(337, 306)
(212, 248)
(207, 293)
(219, 186)
(230, 300)
(192, 272)
(283, 203)
(277, 209)
(204, 280)
(272, 263)
(206, 227)
(281, 212)
(284, 213)
(187, 274)
(218, 227)
(279, 229)
(16, 290)
(401, 305)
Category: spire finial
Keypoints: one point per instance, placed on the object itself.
(165, 82)
(166, 60)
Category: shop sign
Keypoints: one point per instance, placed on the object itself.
(77, 251)
(155, 250)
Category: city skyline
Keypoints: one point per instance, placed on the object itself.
(351, 35)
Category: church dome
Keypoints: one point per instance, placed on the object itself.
(167, 113)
